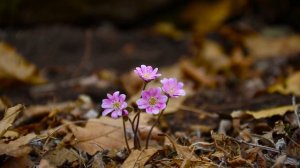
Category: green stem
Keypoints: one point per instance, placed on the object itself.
(156, 122)
(136, 138)
(125, 136)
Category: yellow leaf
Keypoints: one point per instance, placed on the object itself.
(13, 67)
(266, 113)
(168, 29)
(9, 117)
(290, 86)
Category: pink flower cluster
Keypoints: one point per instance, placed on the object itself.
(153, 100)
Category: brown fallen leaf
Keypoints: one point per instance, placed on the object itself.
(17, 148)
(138, 158)
(197, 74)
(23, 161)
(9, 117)
(58, 156)
(45, 164)
(13, 67)
(182, 151)
(98, 134)
(293, 148)
(213, 57)
(259, 46)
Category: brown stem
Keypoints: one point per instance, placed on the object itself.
(125, 136)
(156, 122)
(136, 138)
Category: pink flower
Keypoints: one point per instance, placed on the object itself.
(152, 100)
(115, 104)
(172, 88)
(147, 73)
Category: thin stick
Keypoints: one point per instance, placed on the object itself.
(156, 122)
(296, 110)
(125, 135)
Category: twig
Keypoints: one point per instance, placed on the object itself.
(296, 110)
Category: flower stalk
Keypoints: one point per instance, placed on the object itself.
(155, 123)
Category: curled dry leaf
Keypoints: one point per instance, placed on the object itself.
(138, 158)
(9, 117)
(13, 67)
(17, 147)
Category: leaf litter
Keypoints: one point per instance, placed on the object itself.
(239, 110)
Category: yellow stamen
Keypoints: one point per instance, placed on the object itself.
(152, 101)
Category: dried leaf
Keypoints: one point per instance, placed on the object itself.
(266, 113)
(14, 67)
(9, 117)
(168, 29)
(45, 164)
(58, 156)
(259, 46)
(23, 161)
(182, 151)
(206, 16)
(290, 86)
(293, 148)
(279, 162)
(98, 134)
(138, 158)
(17, 147)
(213, 57)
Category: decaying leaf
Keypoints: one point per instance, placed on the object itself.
(14, 67)
(168, 29)
(264, 47)
(290, 86)
(45, 164)
(17, 147)
(9, 117)
(265, 113)
(98, 134)
(293, 148)
(138, 158)
(58, 156)
(213, 57)
(183, 151)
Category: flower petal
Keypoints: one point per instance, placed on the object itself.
(106, 111)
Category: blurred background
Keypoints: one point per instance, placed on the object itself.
(79, 46)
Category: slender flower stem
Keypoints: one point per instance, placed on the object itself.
(136, 138)
(156, 122)
(125, 136)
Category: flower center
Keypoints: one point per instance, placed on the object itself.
(116, 105)
(152, 101)
(147, 75)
